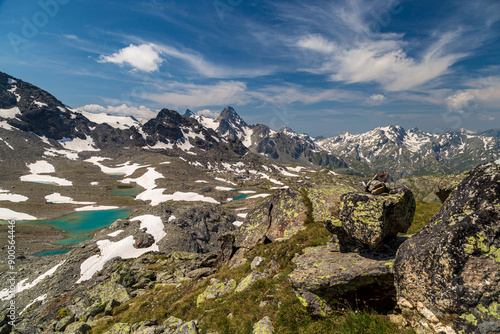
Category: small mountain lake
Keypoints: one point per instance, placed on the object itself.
(125, 191)
(80, 226)
(240, 197)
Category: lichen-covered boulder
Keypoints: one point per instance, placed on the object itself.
(448, 184)
(79, 327)
(109, 291)
(119, 328)
(369, 219)
(325, 280)
(189, 327)
(278, 218)
(247, 282)
(448, 275)
(216, 289)
(325, 200)
(264, 326)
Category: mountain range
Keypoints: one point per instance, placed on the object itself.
(385, 149)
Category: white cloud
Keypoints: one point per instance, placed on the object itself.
(193, 96)
(120, 110)
(208, 113)
(376, 99)
(144, 57)
(316, 43)
(462, 103)
(294, 93)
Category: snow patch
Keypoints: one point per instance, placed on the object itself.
(223, 188)
(8, 214)
(117, 122)
(21, 286)
(259, 196)
(126, 169)
(237, 223)
(38, 299)
(57, 198)
(43, 167)
(8, 145)
(10, 113)
(124, 248)
(40, 104)
(79, 145)
(115, 233)
(224, 180)
(6, 126)
(6, 196)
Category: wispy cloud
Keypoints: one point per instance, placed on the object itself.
(288, 94)
(194, 96)
(382, 60)
(148, 57)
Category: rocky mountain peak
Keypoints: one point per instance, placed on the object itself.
(231, 116)
(188, 113)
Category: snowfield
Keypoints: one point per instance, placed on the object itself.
(124, 248)
(43, 167)
(57, 198)
(126, 169)
(8, 214)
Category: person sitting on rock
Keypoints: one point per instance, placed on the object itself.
(377, 184)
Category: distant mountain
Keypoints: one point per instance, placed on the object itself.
(392, 149)
(51, 125)
(39, 114)
(413, 152)
(284, 146)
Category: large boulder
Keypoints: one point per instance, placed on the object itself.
(324, 281)
(369, 219)
(325, 200)
(447, 276)
(278, 218)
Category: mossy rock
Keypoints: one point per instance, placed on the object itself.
(448, 274)
(119, 328)
(369, 219)
(324, 281)
(109, 291)
(278, 218)
(215, 290)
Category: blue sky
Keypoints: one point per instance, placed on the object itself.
(319, 67)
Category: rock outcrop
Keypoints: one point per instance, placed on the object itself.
(448, 275)
(325, 280)
(278, 218)
(369, 219)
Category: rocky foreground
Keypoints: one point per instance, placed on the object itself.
(300, 257)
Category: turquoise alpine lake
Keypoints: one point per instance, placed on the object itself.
(80, 226)
(52, 252)
(240, 197)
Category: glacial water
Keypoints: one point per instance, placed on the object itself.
(240, 197)
(52, 252)
(80, 226)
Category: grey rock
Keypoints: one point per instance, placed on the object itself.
(448, 274)
(264, 326)
(256, 262)
(324, 281)
(369, 219)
